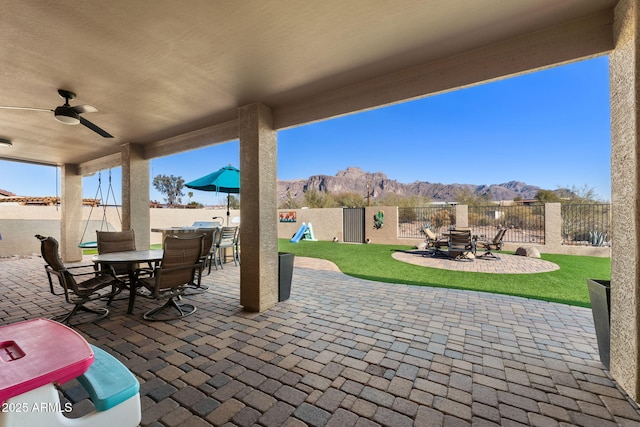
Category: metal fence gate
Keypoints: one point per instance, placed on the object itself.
(353, 225)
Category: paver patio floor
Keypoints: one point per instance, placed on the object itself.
(348, 352)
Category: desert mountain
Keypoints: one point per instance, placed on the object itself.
(355, 180)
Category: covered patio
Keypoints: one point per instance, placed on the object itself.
(347, 352)
(180, 76)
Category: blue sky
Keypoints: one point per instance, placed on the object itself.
(550, 129)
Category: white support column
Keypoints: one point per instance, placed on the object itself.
(71, 213)
(624, 71)
(135, 194)
(258, 208)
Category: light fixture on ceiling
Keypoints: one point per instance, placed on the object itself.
(5, 142)
(65, 114)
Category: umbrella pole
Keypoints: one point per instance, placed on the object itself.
(228, 195)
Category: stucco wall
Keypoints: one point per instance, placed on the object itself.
(388, 233)
(19, 224)
(326, 223)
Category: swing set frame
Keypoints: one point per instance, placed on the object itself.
(92, 244)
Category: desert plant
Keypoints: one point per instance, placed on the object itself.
(442, 218)
(597, 238)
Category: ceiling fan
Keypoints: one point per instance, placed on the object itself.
(69, 115)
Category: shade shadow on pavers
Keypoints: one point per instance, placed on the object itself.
(345, 351)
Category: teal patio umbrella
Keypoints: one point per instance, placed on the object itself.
(224, 180)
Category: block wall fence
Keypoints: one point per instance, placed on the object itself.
(327, 224)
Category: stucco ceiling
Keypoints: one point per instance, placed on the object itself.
(159, 68)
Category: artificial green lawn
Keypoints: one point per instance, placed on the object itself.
(568, 285)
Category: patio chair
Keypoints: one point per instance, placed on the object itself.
(207, 245)
(117, 241)
(460, 244)
(490, 245)
(98, 284)
(180, 266)
(434, 244)
(206, 257)
(226, 239)
(211, 256)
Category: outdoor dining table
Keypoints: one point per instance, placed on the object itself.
(130, 258)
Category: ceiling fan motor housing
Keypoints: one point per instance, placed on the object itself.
(65, 114)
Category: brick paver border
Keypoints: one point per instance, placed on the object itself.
(506, 264)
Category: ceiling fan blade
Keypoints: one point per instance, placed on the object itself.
(95, 128)
(25, 108)
(84, 109)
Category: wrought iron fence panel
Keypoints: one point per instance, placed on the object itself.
(524, 223)
(586, 224)
(412, 220)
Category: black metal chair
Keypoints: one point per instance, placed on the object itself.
(180, 267)
(99, 284)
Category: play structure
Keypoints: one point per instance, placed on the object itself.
(36, 355)
(304, 232)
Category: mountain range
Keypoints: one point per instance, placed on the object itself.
(355, 180)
